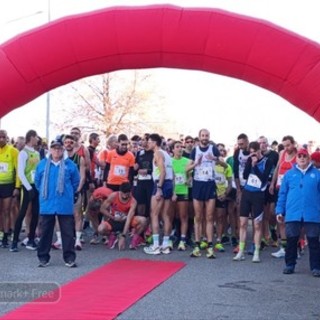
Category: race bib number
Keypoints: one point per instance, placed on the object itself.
(220, 178)
(204, 173)
(120, 171)
(119, 214)
(180, 179)
(3, 167)
(280, 179)
(254, 181)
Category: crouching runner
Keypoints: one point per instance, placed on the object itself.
(119, 216)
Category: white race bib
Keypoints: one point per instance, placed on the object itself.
(254, 181)
(120, 170)
(180, 179)
(220, 178)
(144, 177)
(204, 173)
(3, 167)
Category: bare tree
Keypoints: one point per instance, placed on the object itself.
(110, 104)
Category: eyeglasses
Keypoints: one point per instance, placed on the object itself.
(302, 156)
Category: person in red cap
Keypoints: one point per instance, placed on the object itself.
(298, 207)
(315, 157)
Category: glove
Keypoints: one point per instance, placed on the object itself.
(76, 197)
(31, 194)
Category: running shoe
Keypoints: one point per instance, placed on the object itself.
(182, 246)
(279, 254)
(239, 257)
(166, 250)
(195, 252)
(170, 246)
(210, 253)
(219, 247)
(152, 250)
(288, 270)
(316, 273)
(225, 239)
(31, 245)
(14, 247)
(263, 244)
(24, 241)
(135, 242)
(112, 241)
(78, 245)
(256, 257)
(95, 239)
(57, 245)
(43, 264)
(71, 264)
(203, 244)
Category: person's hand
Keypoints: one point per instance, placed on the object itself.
(122, 243)
(76, 197)
(174, 197)
(280, 218)
(271, 189)
(15, 193)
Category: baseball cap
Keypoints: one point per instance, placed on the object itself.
(315, 156)
(56, 143)
(303, 151)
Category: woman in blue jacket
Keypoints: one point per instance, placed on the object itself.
(299, 206)
(57, 180)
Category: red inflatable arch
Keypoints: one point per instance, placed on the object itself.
(117, 38)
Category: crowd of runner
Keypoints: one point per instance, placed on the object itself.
(190, 195)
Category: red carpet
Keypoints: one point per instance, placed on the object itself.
(101, 294)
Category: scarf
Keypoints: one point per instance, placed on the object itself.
(60, 182)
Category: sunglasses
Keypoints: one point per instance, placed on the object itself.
(302, 156)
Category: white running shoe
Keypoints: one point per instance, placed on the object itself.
(57, 245)
(239, 256)
(78, 245)
(279, 254)
(256, 257)
(152, 250)
(165, 250)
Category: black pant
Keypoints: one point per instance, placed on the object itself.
(67, 228)
(22, 213)
(312, 230)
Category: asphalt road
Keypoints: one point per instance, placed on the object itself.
(203, 289)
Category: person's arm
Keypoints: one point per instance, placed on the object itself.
(263, 176)
(82, 171)
(131, 175)
(247, 169)
(16, 191)
(22, 160)
(105, 206)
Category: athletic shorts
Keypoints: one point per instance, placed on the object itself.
(203, 190)
(167, 189)
(252, 203)
(117, 226)
(182, 197)
(271, 198)
(6, 190)
(143, 191)
(232, 195)
(221, 204)
(190, 194)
